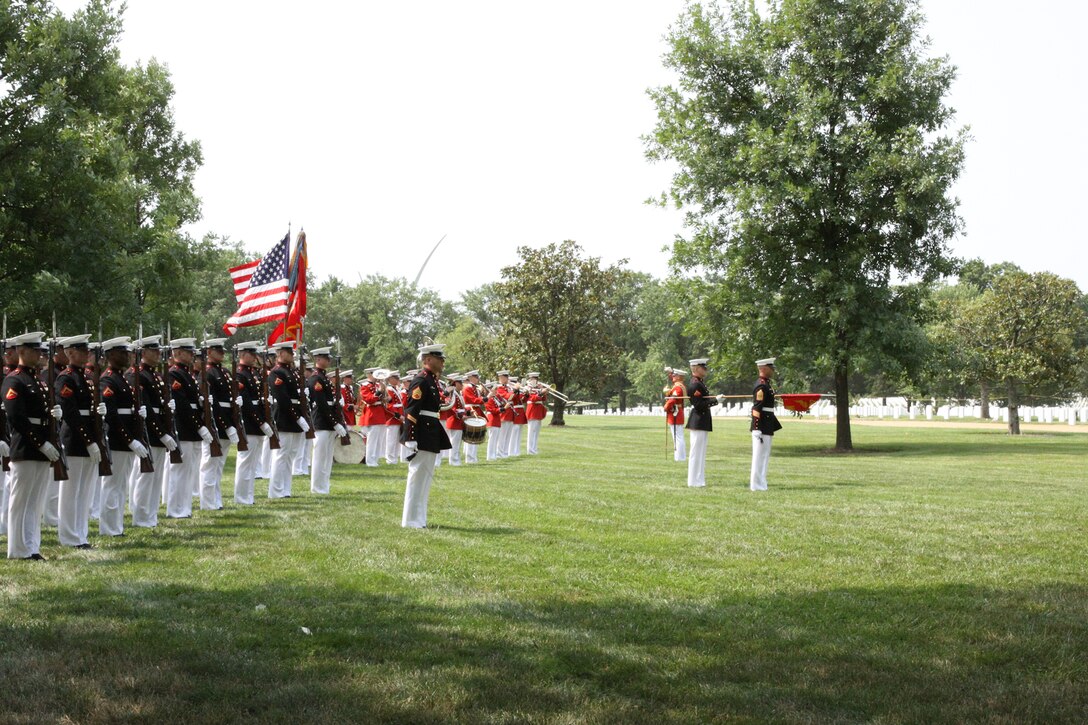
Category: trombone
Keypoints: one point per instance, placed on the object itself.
(555, 392)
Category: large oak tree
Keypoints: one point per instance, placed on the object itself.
(814, 157)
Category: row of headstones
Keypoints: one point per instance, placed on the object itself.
(1041, 414)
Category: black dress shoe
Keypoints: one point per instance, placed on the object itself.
(85, 546)
(36, 557)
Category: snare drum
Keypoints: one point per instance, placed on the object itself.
(353, 453)
(475, 431)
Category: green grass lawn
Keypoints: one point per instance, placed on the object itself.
(935, 575)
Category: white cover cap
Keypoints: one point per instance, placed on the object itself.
(699, 361)
(436, 349)
(117, 343)
(326, 351)
(216, 342)
(767, 361)
(30, 339)
(152, 341)
(74, 341)
(184, 343)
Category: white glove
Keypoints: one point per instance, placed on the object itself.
(50, 451)
(757, 436)
(94, 453)
(138, 448)
(303, 424)
(340, 430)
(4, 450)
(56, 412)
(238, 401)
(232, 434)
(200, 400)
(169, 442)
(171, 405)
(101, 409)
(267, 430)
(204, 434)
(306, 391)
(412, 446)
(142, 410)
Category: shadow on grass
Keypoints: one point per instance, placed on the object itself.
(957, 447)
(161, 653)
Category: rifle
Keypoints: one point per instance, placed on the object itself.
(105, 466)
(305, 402)
(168, 415)
(345, 440)
(274, 441)
(60, 467)
(239, 424)
(6, 463)
(146, 464)
(215, 449)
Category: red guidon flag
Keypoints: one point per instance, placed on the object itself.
(261, 288)
(798, 402)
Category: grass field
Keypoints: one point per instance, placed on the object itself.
(935, 575)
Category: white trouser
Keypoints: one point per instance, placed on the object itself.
(761, 456)
(75, 501)
(245, 469)
(283, 464)
(534, 437)
(51, 512)
(27, 482)
(506, 438)
(420, 475)
(472, 454)
(96, 496)
(211, 475)
(303, 455)
(4, 483)
(179, 481)
(392, 444)
(494, 440)
(321, 470)
(111, 519)
(264, 463)
(679, 450)
(697, 459)
(515, 439)
(454, 453)
(146, 489)
(375, 443)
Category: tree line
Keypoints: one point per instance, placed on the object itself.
(814, 155)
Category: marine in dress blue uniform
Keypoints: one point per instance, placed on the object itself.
(423, 434)
(764, 424)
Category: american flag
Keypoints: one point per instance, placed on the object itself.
(261, 289)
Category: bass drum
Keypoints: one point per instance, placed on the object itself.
(354, 453)
(475, 431)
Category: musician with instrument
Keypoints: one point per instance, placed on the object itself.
(454, 412)
(124, 413)
(347, 396)
(32, 452)
(285, 385)
(372, 395)
(323, 413)
(505, 391)
(764, 424)
(394, 416)
(474, 396)
(518, 398)
(423, 435)
(147, 486)
(493, 406)
(248, 381)
(675, 393)
(183, 479)
(536, 409)
(699, 422)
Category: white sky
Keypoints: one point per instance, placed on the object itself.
(380, 127)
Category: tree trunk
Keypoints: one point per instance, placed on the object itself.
(623, 401)
(843, 441)
(1014, 409)
(984, 399)
(557, 412)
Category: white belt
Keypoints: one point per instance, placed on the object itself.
(155, 411)
(429, 413)
(35, 421)
(86, 413)
(194, 406)
(124, 411)
(294, 400)
(224, 405)
(519, 407)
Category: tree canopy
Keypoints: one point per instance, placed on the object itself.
(815, 161)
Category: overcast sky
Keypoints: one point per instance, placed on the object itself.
(380, 127)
